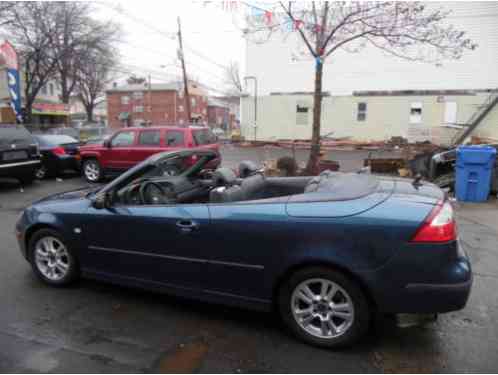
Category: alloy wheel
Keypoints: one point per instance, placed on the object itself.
(322, 308)
(92, 171)
(52, 258)
(41, 172)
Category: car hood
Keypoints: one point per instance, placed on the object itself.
(69, 195)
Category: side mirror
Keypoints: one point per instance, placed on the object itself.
(101, 201)
(107, 143)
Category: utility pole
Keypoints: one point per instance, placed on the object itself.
(185, 80)
(150, 102)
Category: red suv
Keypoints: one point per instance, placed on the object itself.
(130, 146)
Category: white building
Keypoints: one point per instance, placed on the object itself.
(282, 68)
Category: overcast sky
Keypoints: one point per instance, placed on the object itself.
(211, 34)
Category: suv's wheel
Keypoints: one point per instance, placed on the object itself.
(92, 170)
(27, 179)
(52, 260)
(323, 307)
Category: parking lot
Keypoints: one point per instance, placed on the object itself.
(96, 327)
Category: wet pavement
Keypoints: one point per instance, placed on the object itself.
(97, 327)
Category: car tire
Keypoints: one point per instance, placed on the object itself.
(27, 180)
(51, 259)
(337, 317)
(92, 170)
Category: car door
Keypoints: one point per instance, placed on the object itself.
(249, 244)
(118, 155)
(162, 245)
(148, 143)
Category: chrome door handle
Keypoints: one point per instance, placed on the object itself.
(187, 225)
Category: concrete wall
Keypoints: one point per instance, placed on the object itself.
(386, 116)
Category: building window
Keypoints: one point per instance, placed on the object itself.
(416, 113)
(138, 95)
(180, 108)
(125, 99)
(361, 114)
(302, 113)
(180, 94)
(450, 113)
(192, 101)
(51, 89)
(149, 138)
(138, 108)
(174, 138)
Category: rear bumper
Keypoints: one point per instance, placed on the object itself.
(438, 284)
(68, 162)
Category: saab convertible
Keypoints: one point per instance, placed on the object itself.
(325, 252)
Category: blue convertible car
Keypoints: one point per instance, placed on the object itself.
(325, 252)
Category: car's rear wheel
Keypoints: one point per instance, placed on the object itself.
(52, 260)
(323, 307)
(92, 170)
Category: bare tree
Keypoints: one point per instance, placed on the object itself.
(136, 80)
(94, 75)
(233, 79)
(75, 36)
(6, 12)
(407, 30)
(32, 39)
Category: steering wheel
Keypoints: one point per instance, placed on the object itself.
(132, 195)
(153, 193)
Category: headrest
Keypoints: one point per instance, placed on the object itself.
(247, 168)
(224, 177)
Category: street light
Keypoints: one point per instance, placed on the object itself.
(255, 101)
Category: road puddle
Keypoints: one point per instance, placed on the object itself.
(185, 359)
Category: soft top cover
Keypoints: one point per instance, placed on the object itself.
(337, 186)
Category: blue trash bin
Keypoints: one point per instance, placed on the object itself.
(474, 165)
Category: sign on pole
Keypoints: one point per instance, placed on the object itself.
(9, 55)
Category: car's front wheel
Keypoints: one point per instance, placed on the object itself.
(323, 307)
(92, 170)
(52, 260)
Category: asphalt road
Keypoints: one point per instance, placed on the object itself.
(96, 327)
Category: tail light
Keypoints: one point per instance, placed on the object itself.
(59, 151)
(439, 226)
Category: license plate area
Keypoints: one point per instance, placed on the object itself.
(14, 155)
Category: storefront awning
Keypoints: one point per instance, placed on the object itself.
(50, 109)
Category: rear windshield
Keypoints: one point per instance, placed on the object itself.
(54, 140)
(14, 134)
(204, 137)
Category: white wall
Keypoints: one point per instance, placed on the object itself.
(271, 62)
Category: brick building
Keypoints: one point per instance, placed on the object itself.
(223, 112)
(162, 104)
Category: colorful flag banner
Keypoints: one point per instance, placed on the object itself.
(9, 56)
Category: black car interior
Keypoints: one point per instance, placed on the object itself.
(218, 186)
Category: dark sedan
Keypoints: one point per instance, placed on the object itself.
(326, 252)
(59, 153)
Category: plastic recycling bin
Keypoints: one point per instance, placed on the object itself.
(474, 166)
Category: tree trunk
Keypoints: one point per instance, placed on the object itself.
(312, 166)
(89, 113)
(28, 113)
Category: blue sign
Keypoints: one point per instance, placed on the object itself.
(9, 56)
